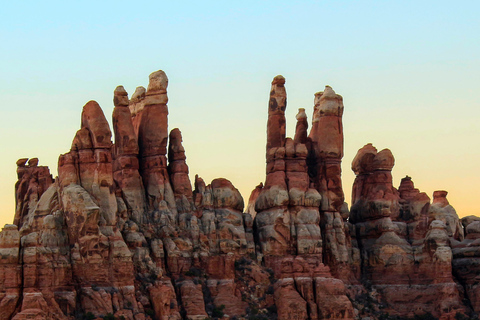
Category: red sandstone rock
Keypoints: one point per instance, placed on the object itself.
(326, 135)
(178, 170)
(414, 206)
(290, 305)
(120, 231)
(385, 219)
(10, 270)
(253, 198)
(442, 210)
(32, 182)
(302, 126)
(152, 140)
(276, 114)
(126, 166)
(373, 184)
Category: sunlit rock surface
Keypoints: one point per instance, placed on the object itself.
(123, 233)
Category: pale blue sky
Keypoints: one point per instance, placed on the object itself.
(409, 72)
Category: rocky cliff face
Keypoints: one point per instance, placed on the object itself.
(121, 233)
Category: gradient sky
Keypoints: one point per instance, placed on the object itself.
(409, 72)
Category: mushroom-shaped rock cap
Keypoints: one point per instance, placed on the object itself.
(301, 114)
(33, 162)
(440, 194)
(120, 91)
(120, 97)
(158, 82)
(384, 160)
(21, 162)
(328, 103)
(440, 197)
(138, 95)
(329, 93)
(279, 81)
(369, 160)
(364, 158)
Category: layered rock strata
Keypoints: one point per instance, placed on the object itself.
(288, 222)
(404, 240)
(121, 233)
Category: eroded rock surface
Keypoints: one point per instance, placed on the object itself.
(122, 232)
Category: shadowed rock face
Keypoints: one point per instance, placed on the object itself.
(121, 232)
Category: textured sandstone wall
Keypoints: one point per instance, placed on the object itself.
(121, 233)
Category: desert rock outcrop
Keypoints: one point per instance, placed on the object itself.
(123, 232)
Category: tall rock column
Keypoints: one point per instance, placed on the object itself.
(301, 127)
(276, 114)
(152, 140)
(126, 165)
(95, 163)
(288, 223)
(136, 105)
(273, 218)
(325, 156)
(327, 148)
(303, 200)
(178, 169)
(375, 203)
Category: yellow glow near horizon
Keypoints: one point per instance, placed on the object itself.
(408, 72)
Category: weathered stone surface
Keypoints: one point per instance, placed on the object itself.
(178, 171)
(326, 135)
(10, 270)
(126, 166)
(276, 124)
(32, 182)
(120, 233)
(404, 243)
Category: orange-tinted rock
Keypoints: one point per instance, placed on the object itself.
(136, 105)
(385, 219)
(152, 141)
(373, 185)
(32, 183)
(290, 305)
(253, 198)
(192, 297)
(326, 135)
(414, 206)
(121, 233)
(276, 114)
(126, 166)
(94, 120)
(125, 138)
(178, 170)
(153, 129)
(302, 126)
(442, 210)
(164, 301)
(10, 270)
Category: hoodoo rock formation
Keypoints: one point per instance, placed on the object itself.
(121, 233)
